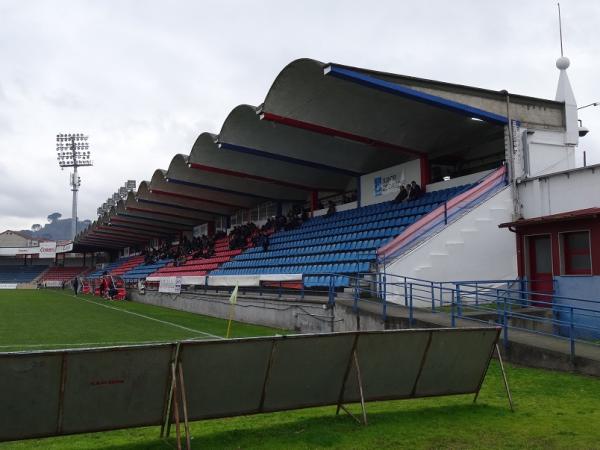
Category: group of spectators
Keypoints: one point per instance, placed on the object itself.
(241, 234)
(408, 192)
(295, 217)
(197, 247)
(164, 251)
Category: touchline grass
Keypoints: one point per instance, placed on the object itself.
(51, 319)
(553, 409)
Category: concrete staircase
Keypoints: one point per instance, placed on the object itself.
(471, 248)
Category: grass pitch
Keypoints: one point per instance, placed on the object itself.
(51, 319)
(553, 410)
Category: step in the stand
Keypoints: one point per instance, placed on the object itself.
(455, 244)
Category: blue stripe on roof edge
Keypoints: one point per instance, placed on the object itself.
(403, 91)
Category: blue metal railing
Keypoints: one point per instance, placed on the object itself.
(506, 303)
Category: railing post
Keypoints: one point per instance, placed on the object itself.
(331, 298)
(458, 300)
(498, 305)
(445, 213)
(384, 312)
(572, 334)
(505, 324)
(356, 294)
(410, 308)
(432, 298)
(405, 293)
(452, 312)
(476, 293)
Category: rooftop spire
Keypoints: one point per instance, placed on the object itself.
(564, 92)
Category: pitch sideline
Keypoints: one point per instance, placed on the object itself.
(144, 316)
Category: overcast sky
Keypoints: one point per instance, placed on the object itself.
(145, 78)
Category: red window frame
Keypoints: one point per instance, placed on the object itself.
(570, 252)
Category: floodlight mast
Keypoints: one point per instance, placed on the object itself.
(73, 150)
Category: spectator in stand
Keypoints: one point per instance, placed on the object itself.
(331, 210)
(304, 217)
(280, 222)
(264, 241)
(415, 191)
(180, 257)
(402, 194)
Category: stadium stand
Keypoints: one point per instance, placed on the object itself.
(62, 273)
(20, 274)
(111, 266)
(127, 265)
(140, 272)
(344, 243)
(201, 266)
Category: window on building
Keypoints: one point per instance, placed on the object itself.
(576, 254)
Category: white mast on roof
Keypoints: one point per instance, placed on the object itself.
(564, 92)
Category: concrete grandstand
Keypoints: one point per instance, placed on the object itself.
(324, 130)
(351, 136)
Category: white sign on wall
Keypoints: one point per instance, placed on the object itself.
(47, 249)
(383, 185)
(170, 285)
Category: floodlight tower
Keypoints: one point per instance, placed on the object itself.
(73, 150)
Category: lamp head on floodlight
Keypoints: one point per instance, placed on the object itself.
(73, 150)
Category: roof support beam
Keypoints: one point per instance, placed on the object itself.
(179, 225)
(173, 205)
(191, 197)
(162, 213)
(155, 230)
(218, 189)
(287, 159)
(235, 173)
(124, 236)
(116, 230)
(147, 222)
(339, 134)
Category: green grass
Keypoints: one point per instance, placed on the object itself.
(48, 319)
(553, 410)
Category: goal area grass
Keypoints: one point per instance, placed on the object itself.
(552, 409)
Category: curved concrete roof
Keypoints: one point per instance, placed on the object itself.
(319, 128)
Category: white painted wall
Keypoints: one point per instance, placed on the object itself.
(562, 192)
(472, 178)
(338, 208)
(547, 153)
(390, 179)
(472, 248)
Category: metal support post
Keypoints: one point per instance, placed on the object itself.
(508, 394)
(410, 308)
(445, 213)
(505, 324)
(452, 312)
(331, 300)
(572, 334)
(384, 312)
(356, 294)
